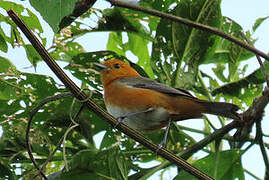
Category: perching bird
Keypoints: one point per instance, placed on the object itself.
(146, 105)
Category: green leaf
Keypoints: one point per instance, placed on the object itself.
(6, 5)
(8, 89)
(226, 51)
(219, 72)
(5, 65)
(110, 164)
(258, 22)
(76, 174)
(3, 44)
(5, 172)
(126, 20)
(115, 43)
(138, 46)
(54, 11)
(191, 45)
(67, 51)
(4, 39)
(32, 54)
(109, 139)
(162, 47)
(246, 88)
(175, 43)
(228, 165)
(29, 18)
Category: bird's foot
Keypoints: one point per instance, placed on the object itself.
(120, 120)
(161, 145)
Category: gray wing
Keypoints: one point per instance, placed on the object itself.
(146, 83)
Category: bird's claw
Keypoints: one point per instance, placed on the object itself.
(160, 146)
(120, 120)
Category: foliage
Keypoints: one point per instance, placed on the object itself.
(169, 52)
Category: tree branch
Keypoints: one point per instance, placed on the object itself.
(215, 135)
(80, 95)
(191, 24)
(253, 114)
(259, 138)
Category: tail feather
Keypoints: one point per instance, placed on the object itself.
(221, 109)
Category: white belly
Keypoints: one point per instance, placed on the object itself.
(141, 121)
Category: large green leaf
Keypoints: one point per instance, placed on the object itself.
(175, 43)
(54, 11)
(225, 166)
(139, 47)
(89, 164)
(191, 45)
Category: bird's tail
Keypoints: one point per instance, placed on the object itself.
(221, 109)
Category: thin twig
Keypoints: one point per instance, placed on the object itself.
(73, 120)
(31, 115)
(253, 114)
(258, 58)
(65, 135)
(191, 24)
(97, 109)
(51, 156)
(259, 138)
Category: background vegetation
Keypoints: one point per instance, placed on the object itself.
(170, 52)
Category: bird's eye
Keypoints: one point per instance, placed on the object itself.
(117, 66)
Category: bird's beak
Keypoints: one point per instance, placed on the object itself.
(100, 66)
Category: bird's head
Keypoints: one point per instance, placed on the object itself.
(115, 69)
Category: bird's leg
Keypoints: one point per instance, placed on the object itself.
(121, 118)
(165, 135)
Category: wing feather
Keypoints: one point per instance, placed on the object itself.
(146, 83)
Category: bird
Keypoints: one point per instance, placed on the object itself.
(147, 105)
